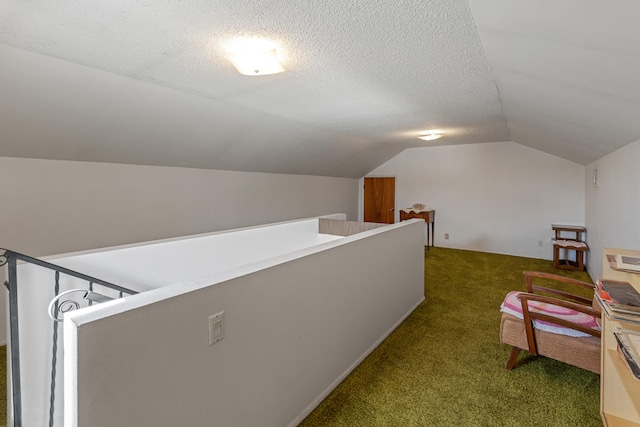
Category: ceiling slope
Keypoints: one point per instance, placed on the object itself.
(567, 72)
(147, 82)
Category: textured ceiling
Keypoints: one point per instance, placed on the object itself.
(147, 82)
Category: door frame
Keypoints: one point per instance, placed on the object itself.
(396, 215)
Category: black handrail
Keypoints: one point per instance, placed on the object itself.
(11, 258)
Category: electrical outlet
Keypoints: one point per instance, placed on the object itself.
(540, 243)
(446, 236)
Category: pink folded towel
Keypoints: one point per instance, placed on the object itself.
(513, 305)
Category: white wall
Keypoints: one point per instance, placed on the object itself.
(497, 197)
(613, 207)
(139, 267)
(294, 326)
(165, 262)
(51, 207)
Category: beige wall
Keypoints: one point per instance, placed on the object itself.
(51, 207)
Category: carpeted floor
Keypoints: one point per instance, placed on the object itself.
(444, 366)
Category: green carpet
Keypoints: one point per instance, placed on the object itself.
(445, 366)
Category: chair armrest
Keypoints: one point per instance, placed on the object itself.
(531, 288)
(529, 316)
(534, 315)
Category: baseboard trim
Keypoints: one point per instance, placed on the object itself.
(350, 369)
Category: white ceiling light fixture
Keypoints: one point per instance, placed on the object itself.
(430, 135)
(253, 57)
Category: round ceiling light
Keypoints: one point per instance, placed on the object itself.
(430, 135)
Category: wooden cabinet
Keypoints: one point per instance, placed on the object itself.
(619, 389)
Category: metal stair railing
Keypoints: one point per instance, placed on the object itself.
(56, 307)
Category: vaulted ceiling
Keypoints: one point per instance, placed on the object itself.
(148, 81)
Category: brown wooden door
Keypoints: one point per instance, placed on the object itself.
(379, 200)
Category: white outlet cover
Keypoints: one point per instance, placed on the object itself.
(216, 328)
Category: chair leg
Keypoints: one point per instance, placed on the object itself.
(513, 357)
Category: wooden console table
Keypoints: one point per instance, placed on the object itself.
(428, 216)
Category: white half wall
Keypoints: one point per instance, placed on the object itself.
(497, 197)
(294, 326)
(613, 206)
(137, 267)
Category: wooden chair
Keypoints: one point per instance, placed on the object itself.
(563, 326)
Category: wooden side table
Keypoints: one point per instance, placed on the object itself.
(429, 216)
(577, 230)
(564, 246)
